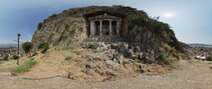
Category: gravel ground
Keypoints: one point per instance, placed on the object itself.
(189, 75)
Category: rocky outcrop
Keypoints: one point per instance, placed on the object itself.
(69, 28)
(62, 31)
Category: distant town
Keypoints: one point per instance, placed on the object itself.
(7, 50)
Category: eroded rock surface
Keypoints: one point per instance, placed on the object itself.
(146, 35)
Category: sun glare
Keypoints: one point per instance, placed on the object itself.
(168, 15)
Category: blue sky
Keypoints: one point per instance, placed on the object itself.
(190, 19)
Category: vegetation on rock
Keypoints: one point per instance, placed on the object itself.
(43, 47)
(163, 57)
(92, 45)
(149, 35)
(68, 58)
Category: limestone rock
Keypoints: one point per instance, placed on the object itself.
(145, 34)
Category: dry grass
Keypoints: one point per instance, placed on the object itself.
(86, 64)
(7, 66)
(26, 66)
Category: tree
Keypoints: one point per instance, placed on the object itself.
(27, 46)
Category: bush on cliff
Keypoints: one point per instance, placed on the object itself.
(43, 47)
(163, 58)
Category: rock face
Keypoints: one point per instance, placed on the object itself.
(62, 31)
(70, 27)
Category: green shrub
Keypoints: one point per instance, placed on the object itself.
(27, 46)
(26, 66)
(209, 58)
(40, 25)
(137, 20)
(92, 46)
(44, 50)
(53, 16)
(34, 54)
(68, 58)
(159, 25)
(163, 58)
(15, 57)
(43, 47)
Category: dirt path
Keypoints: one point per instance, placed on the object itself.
(189, 75)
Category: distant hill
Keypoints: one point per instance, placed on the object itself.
(201, 45)
(7, 45)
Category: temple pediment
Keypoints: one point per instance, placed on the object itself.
(104, 16)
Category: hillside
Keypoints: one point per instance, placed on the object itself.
(200, 45)
(8, 45)
(68, 30)
(139, 44)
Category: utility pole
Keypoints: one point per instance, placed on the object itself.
(18, 40)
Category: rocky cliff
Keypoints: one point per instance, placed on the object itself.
(68, 28)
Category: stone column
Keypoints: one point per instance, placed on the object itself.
(110, 28)
(92, 28)
(118, 27)
(100, 29)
